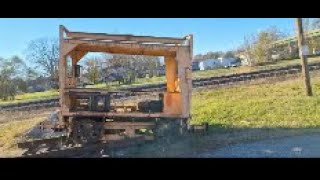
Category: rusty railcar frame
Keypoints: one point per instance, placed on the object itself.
(177, 53)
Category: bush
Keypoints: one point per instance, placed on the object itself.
(8, 91)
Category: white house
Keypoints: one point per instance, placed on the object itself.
(217, 63)
(228, 62)
(209, 64)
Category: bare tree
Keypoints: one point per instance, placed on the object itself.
(93, 69)
(247, 48)
(258, 47)
(125, 68)
(316, 23)
(209, 55)
(198, 57)
(45, 53)
(310, 24)
(229, 54)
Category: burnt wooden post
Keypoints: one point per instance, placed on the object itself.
(107, 102)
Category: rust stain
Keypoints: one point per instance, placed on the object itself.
(169, 99)
(172, 103)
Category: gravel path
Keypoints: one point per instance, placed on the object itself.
(307, 146)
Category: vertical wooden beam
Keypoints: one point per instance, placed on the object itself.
(62, 68)
(171, 73)
(73, 80)
(189, 73)
(190, 38)
(184, 74)
(65, 49)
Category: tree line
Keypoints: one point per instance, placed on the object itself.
(121, 68)
(214, 55)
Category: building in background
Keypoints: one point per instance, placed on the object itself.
(218, 63)
(195, 66)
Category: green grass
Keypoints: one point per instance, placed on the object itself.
(26, 97)
(280, 105)
(139, 81)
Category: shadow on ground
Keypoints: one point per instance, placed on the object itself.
(190, 145)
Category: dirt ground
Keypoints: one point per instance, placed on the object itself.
(303, 146)
(13, 126)
(191, 145)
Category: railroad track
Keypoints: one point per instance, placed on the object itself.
(211, 82)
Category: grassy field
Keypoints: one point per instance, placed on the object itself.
(139, 81)
(26, 97)
(280, 105)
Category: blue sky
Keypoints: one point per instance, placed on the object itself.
(210, 34)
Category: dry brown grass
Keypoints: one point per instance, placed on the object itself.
(12, 127)
(9, 116)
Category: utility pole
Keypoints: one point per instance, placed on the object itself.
(303, 49)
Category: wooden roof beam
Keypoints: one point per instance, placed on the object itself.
(122, 42)
(130, 49)
(104, 36)
(117, 44)
(127, 50)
